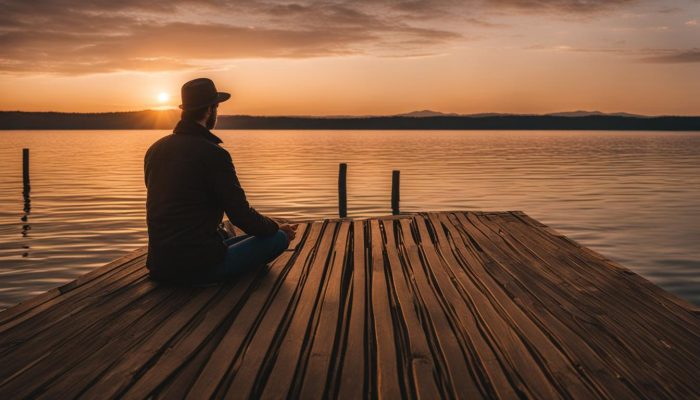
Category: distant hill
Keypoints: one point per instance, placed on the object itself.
(421, 120)
(580, 113)
(589, 113)
(426, 113)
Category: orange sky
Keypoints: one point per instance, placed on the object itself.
(354, 57)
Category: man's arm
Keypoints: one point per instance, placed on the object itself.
(230, 194)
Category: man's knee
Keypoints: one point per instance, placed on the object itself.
(281, 240)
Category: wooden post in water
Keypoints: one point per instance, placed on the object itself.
(25, 170)
(395, 175)
(25, 195)
(342, 191)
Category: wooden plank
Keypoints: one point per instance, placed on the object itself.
(88, 358)
(68, 348)
(550, 293)
(646, 318)
(421, 305)
(185, 348)
(31, 346)
(318, 371)
(485, 362)
(181, 382)
(455, 355)
(575, 339)
(637, 304)
(122, 373)
(388, 385)
(657, 292)
(565, 365)
(417, 354)
(240, 330)
(622, 315)
(265, 340)
(356, 363)
(646, 293)
(59, 322)
(297, 338)
(507, 335)
(59, 292)
(71, 292)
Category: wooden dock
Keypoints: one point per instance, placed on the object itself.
(430, 305)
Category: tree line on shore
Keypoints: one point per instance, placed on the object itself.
(152, 119)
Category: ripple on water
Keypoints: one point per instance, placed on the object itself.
(629, 195)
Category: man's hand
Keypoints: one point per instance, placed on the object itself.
(290, 230)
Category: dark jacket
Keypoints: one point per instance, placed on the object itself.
(191, 183)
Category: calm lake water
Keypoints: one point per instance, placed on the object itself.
(632, 196)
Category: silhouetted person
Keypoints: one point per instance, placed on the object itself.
(191, 183)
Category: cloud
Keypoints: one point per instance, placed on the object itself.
(650, 55)
(675, 56)
(91, 36)
(101, 36)
(562, 6)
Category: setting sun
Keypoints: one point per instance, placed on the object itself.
(163, 97)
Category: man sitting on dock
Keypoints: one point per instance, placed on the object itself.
(191, 182)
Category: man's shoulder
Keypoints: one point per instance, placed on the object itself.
(189, 147)
(189, 141)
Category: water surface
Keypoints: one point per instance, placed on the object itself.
(632, 196)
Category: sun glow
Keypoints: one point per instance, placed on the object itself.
(163, 97)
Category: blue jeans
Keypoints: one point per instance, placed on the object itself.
(246, 253)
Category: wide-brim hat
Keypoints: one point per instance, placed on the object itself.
(201, 92)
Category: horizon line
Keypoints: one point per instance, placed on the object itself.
(405, 114)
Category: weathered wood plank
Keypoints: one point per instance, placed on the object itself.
(388, 385)
(556, 297)
(564, 365)
(647, 343)
(416, 353)
(633, 287)
(657, 292)
(296, 341)
(85, 359)
(58, 292)
(487, 361)
(240, 330)
(254, 357)
(318, 368)
(181, 351)
(356, 364)
(71, 344)
(453, 353)
(73, 291)
(31, 341)
(422, 305)
(501, 332)
(123, 372)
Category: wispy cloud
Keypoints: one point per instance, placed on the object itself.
(675, 56)
(90, 36)
(574, 7)
(102, 36)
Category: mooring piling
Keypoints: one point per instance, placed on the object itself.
(25, 170)
(342, 191)
(395, 192)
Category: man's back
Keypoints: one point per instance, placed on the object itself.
(182, 210)
(191, 182)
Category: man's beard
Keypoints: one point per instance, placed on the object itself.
(211, 121)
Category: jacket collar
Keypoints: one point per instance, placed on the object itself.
(188, 127)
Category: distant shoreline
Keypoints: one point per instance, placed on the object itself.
(20, 120)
